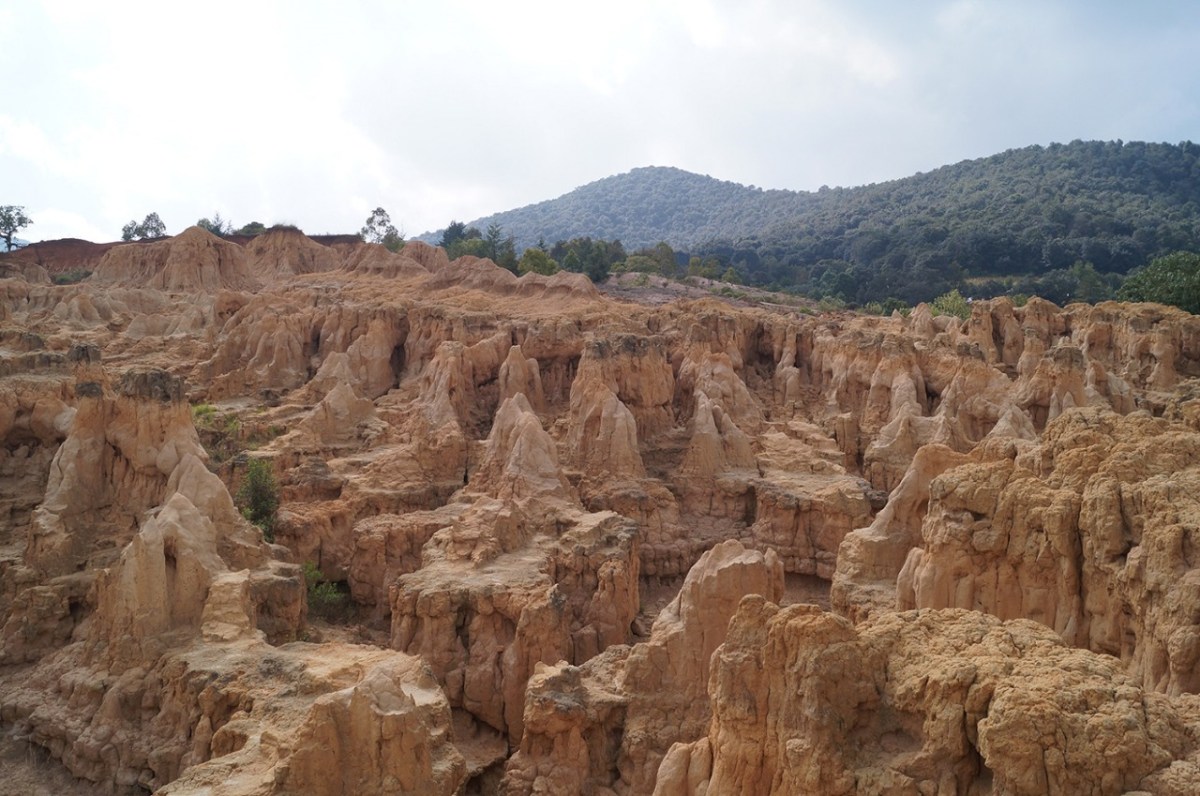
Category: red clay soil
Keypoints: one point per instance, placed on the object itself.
(72, 254)
(60, 256)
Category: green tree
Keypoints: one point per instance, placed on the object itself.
(12, 219)
(454, 232)
(151, 227)
(473, 247)
(495, 234)
(587, 256)
(324, 598)
(508, 254)
(640, 263)
(258, 496)
(1089, 284)
(217, 226)
(1173, 279)
(536, 261)
(707, 268)
(253, 228)
(664, 255)
(459, 240)
(379, 229)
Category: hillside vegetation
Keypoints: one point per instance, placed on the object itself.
(1065, 221)
(648, 205)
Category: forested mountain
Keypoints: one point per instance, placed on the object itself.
(981, 225)
(1031, 211)
(649, 205)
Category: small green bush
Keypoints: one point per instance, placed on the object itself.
(72, 277)
(324, 598)
(951, 303)
(831, 304)
(258, 496)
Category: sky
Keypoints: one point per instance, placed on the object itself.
(314, 113)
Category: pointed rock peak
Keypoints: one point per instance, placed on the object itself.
(520, 460)
(521, 376)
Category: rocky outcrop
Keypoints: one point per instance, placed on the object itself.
(388, 733)
(194, 261)
(270, 345)
(136, 552)
(945, 701)
(283, 252)
(483, 617)
(1088, 532)
(115, 463)
(870, 559)
(500, 482)
(612, 719)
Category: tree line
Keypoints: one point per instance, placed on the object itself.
(1066, 221)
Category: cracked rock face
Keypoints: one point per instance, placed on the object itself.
(805, 702)
(535, 540)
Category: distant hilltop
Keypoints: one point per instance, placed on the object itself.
(980, 225)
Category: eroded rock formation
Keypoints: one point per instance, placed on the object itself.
(929, 701)
(608, 723)
(534, 511)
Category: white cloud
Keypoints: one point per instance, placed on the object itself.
(269, 111)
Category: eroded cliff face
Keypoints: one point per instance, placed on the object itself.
(607, 723)
(929, 701)
(538, 509)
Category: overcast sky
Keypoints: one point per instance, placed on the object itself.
(453, 109)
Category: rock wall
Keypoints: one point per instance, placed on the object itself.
(930, 701)
(608, 723)
(1089, 533)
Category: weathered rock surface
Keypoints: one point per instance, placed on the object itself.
(1090, 533)
(103, 629)
(195, 261)
(930, 701)
(500, 482)
(608, 723)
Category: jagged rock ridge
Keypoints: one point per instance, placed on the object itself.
(541, 510)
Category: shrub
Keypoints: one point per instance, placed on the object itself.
(324, 598)
(220, 433)
(831, 304)
(952, 303)
(72, 277)
(258, 496)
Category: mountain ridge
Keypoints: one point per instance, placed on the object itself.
(1023, 211)
(706, 206)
